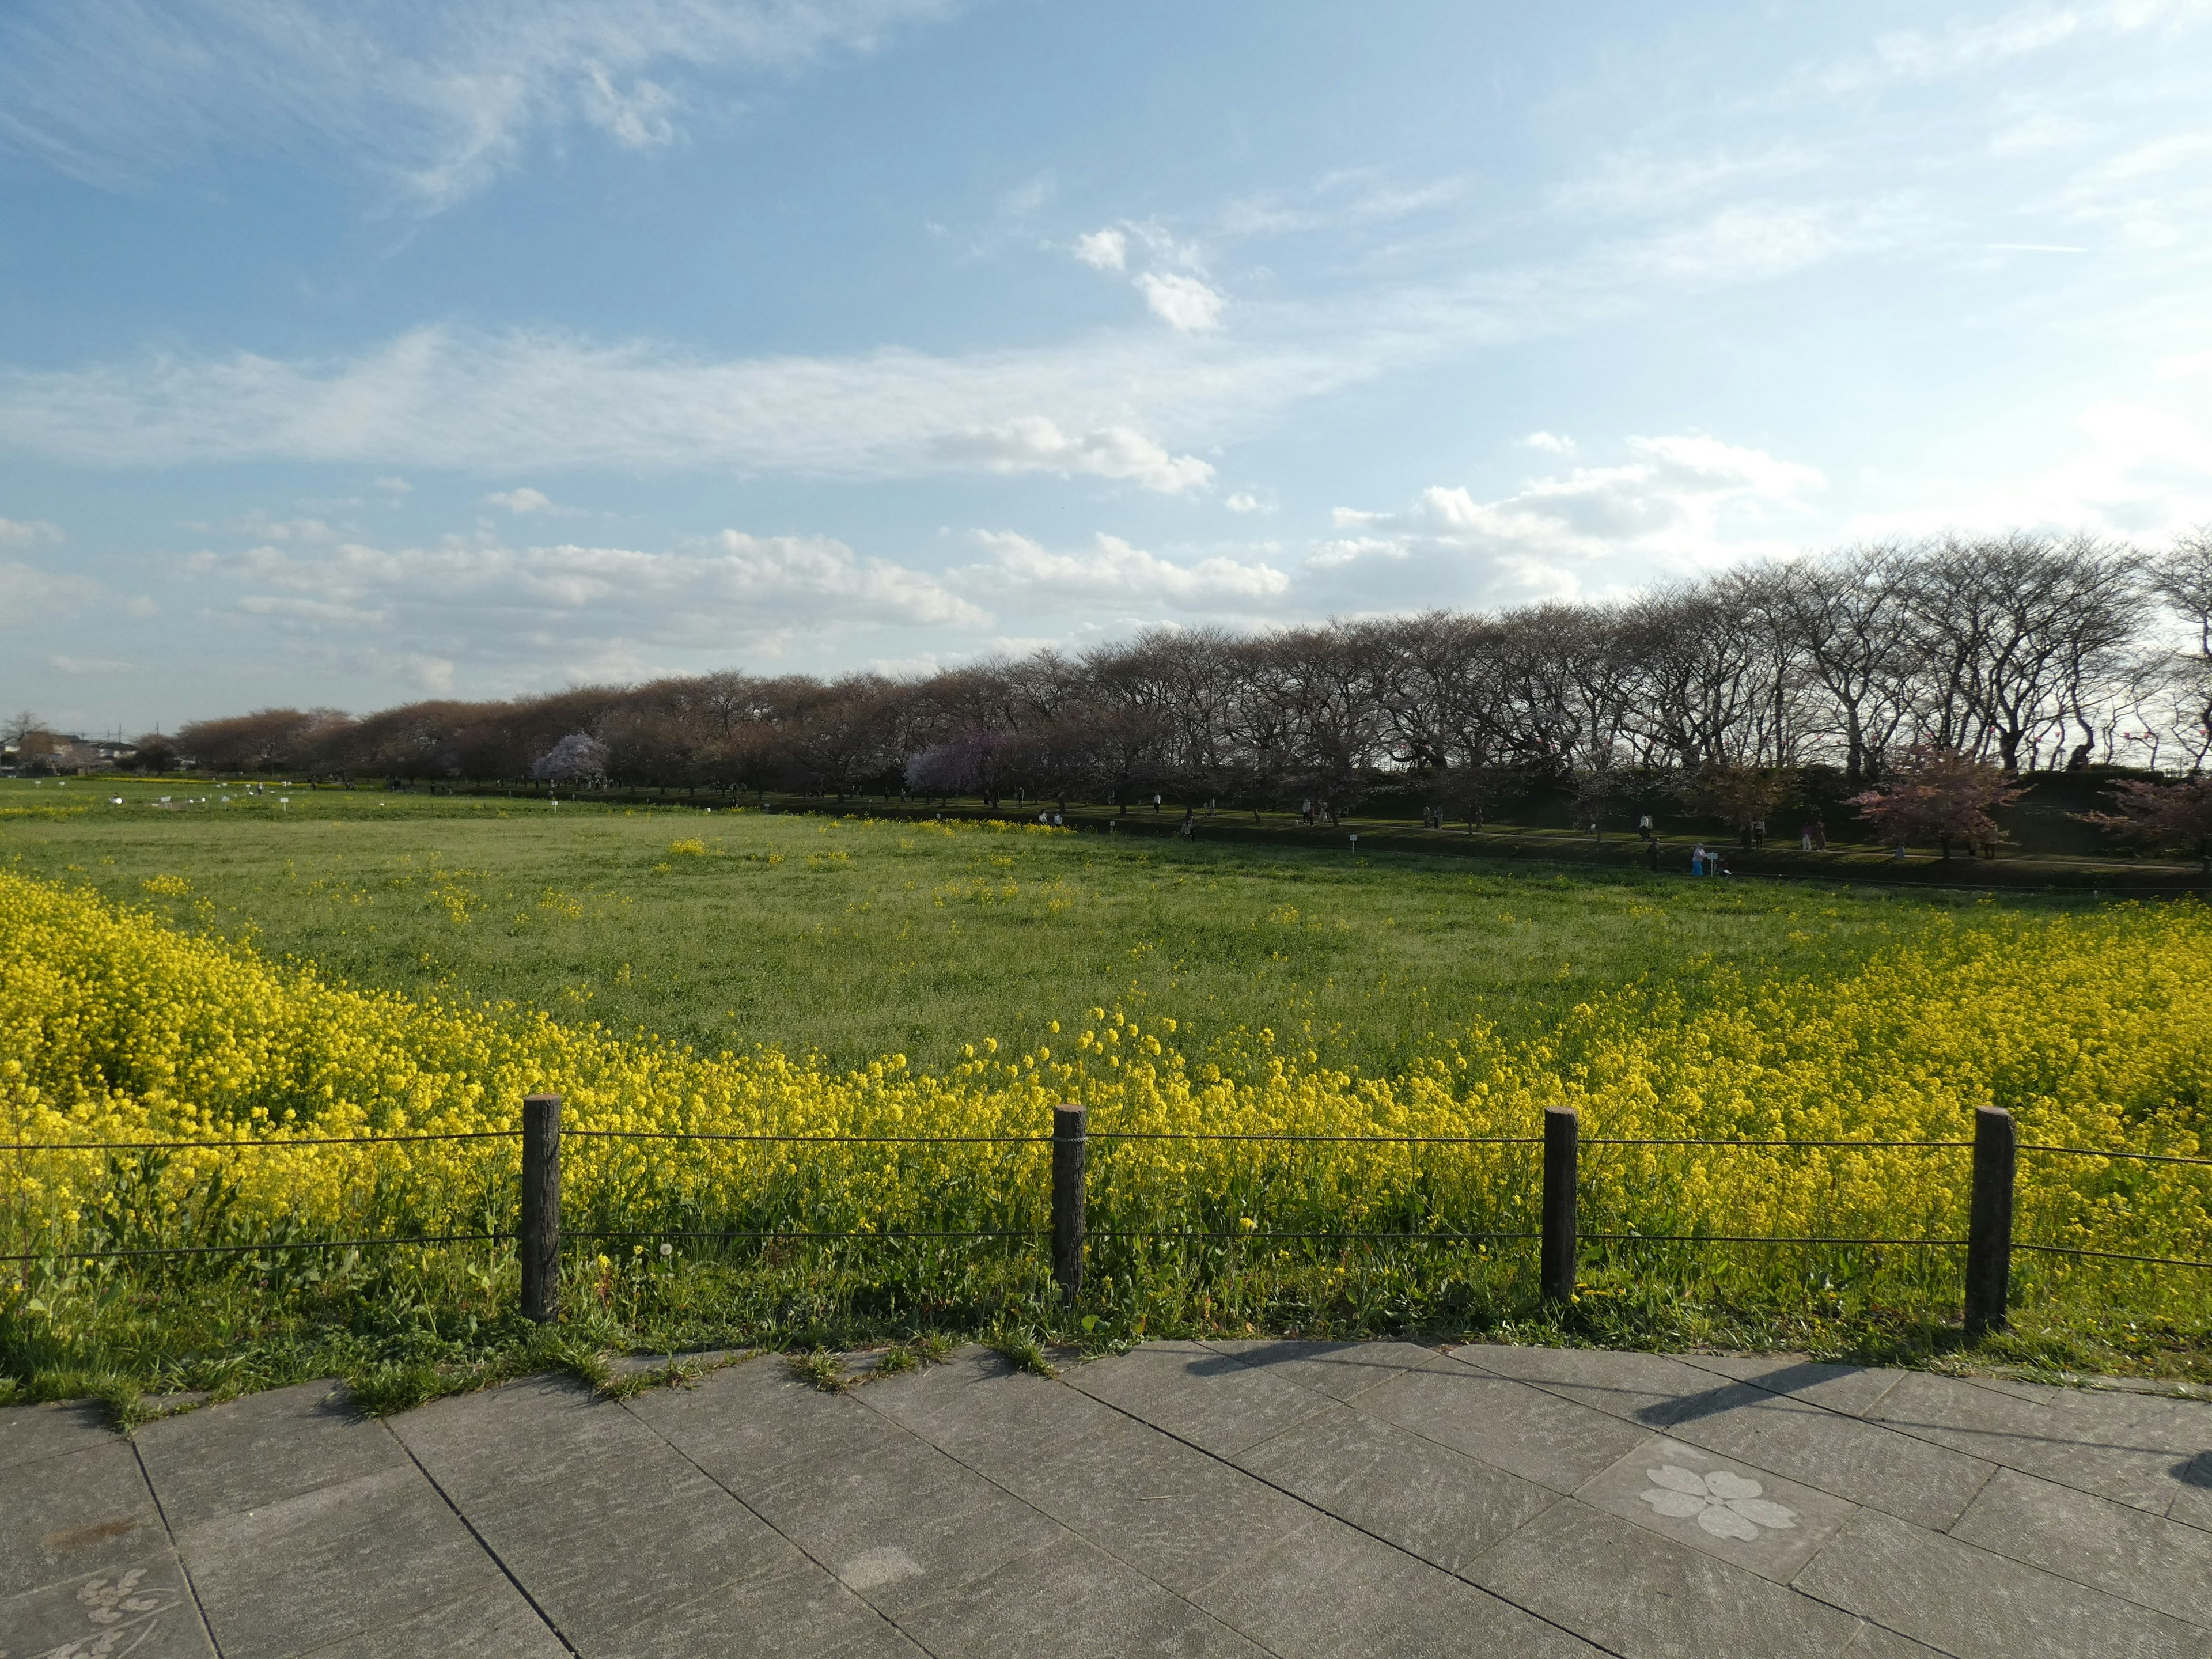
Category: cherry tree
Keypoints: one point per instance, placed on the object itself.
(2160, 816)
(1938, 794)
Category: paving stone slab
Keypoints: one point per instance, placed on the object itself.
(500, 1444)
(1168, 1510)
(630, 1522)
(1721, 1505)
(1914, 1478)
(484, 1624)
(332, 1564)
(1213, 1400)
(2096, 1447)
(2111, 1546)
(2192, 1504)
(1071, 1600)
(1978, 1605)
(1636, 1593)
(899, 1522)
(1327, 1590)
(258, 1451)
(980, 1409)
(798, 1609)
(1852, 1389)
(1648, 1389)
(753, 1424)
(1339, 1369)
(66, 1516)
(30, 1433)
(1508, 1426)
(1428, 1500)
(140, 1607)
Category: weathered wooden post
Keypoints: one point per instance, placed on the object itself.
(1561, 1155)
(1989, 1231)
(1069, 1145)
(541, 1207)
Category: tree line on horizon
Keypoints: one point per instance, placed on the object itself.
(2027, 652)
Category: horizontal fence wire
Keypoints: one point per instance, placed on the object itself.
(253, 1250)
(1675, 1141)
(821, 1140)
(1355, 1141)
(2114, 1255)
(250, 1145)
(1755, 1238)
(681, 1232)
(1260, 1238)
(2091, 1152)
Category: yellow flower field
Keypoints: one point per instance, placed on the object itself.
(2096, 1031)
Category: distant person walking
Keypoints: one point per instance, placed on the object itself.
(1697, 857)
(1805, 837)
(1643, 826)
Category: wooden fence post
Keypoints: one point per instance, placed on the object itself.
(1989, 1231)
(1561, 1155)
(541, 1207)
(1069, 1143)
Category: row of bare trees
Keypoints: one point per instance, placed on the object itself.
(2030, 651)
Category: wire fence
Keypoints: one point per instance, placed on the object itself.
(1993, 1163)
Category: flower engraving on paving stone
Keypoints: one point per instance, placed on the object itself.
(1724, 1504)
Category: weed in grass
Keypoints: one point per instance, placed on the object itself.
(820, 1369)
(894, 1360)
(1023, 1351)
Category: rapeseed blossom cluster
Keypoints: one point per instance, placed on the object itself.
(2095, 1030)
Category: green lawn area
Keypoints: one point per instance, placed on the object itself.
(856, 939)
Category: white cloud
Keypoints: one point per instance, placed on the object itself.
(262, 527)
(2185, 366)
(1036, 445)
(1114, 569)
(436, 100)
(476, 596)
(1245, 500)
(1340, 200)
(636, 117)
(1103, 250)
(525, 402)
(34, 533)
(1127, 404)
(30, 597)
(2137, 472)
(395, 487)
(1552, 443)
(519, 501)
(1641, 182)
(1181, 302)
(89, 665)
(1679, 503)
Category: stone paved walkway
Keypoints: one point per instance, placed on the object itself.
(1236, 1499)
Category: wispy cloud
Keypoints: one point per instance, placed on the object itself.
(435, 100)
(31, 597)
(1111, 569)
(473, 597)
(1127, 405)
(32, 532)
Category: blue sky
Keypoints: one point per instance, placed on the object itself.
(353, 354)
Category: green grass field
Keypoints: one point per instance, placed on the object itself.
(849, 939)
(854, 938)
